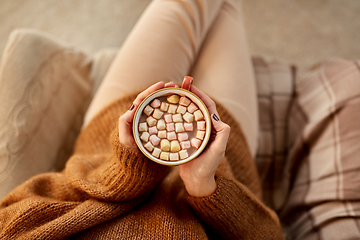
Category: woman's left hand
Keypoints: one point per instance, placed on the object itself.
(198, 175)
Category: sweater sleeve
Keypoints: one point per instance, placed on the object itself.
(122, 175)
(234, 212)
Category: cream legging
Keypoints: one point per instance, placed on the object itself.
(201, 38)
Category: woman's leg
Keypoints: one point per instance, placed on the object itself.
(224, 69)
(162, 46)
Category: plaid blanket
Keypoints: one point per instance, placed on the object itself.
(309, 146)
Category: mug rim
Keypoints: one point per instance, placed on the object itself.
(159, 93)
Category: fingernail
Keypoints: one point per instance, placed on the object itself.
(216, 118)
(132, 107)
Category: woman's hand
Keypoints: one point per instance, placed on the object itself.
(198, 175)
(125, 121)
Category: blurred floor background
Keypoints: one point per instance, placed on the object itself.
(296, 31)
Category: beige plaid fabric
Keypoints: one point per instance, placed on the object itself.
(309, 147)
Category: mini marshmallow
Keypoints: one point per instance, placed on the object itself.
(151, 121)
(173, 99)
(195, 142)
(189, 127)
(174, 146)
(197, 114)
(171, 136)
(154, 140)
(168, 118)
(161, 124)
(162, 134)
(164, 156)
(143, 127)
(182, 136)
(156, 152)
(174, 156)
(201, 125)
(153, 130)
(172, 108)
(179, 127)
(149, 146)
(184, 101)
(192, 107)
(170, 127)
(157, 113)
(155, 103)
(148, 110)
(181, 109)
(145, 136)
(200, 135)
(177, 118)
(185, 144)
(188, 117)
(164, 106)
(165, 145)
(183, 154)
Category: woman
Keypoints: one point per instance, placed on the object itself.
(109, 190)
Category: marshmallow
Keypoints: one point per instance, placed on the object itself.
(164, 156)
(197, 114)
(170, 127)
(177, 118)
(181, 109)
(155, 103)
(183, 136)
(151, 121)
(164, 106)
(200, 135)
(179, 127)
(201, 125)
(157, 113)
(195, 142)
(149, 146)
(153, 130)
(161, 124)
(173, 99)
(148, 110)
(165, 145)
(171, 136)
(143, 127)
(192, 107)
(162, 134)
(174, 146)
(184, 101)
(183, 154)
(156, 152)
(172, 108)
(154, 140)
(174, 156)
(188, 117)
(168, 118)
(188, 127)
(185, 144)
(145, 136)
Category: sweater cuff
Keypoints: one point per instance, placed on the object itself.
(234, 212)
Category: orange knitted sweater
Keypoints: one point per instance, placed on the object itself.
(108, 191)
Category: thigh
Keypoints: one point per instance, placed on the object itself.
(224, 69)
(162, 47)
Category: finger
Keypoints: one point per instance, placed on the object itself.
(125, 131)
(147, 92)
(222, 134)
(209, 103)
(186, 84)
(170, 84)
